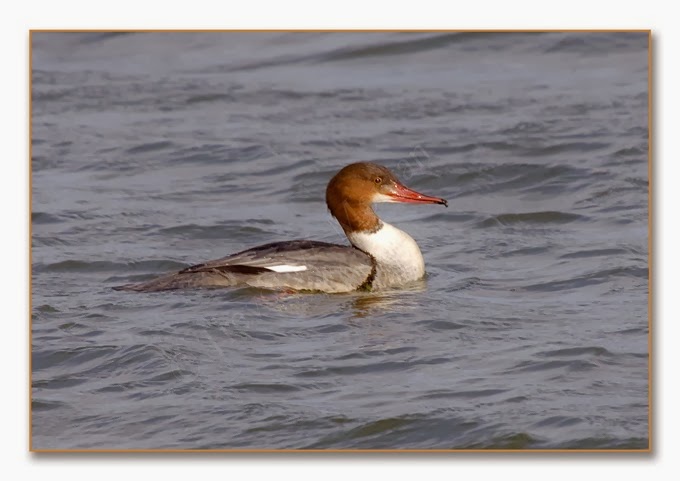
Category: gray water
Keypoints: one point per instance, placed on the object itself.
(152, 152)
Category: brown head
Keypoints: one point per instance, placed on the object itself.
(351, 192)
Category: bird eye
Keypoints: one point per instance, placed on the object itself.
(378, 180)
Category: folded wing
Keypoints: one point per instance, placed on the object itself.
(297, 265)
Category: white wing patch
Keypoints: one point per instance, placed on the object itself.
(285, 268)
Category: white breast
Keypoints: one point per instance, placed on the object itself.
(397, 254)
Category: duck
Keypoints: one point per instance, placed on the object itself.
(380, 256)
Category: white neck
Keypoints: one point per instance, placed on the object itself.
(395, 252)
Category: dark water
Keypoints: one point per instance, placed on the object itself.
(155, 151)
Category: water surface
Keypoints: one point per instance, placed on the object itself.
(152, 152)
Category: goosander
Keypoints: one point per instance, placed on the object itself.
(380, 255)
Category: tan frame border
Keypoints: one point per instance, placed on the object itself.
(650, 243)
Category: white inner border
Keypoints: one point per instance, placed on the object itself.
(518, 14)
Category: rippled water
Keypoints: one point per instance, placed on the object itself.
(151, 152)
